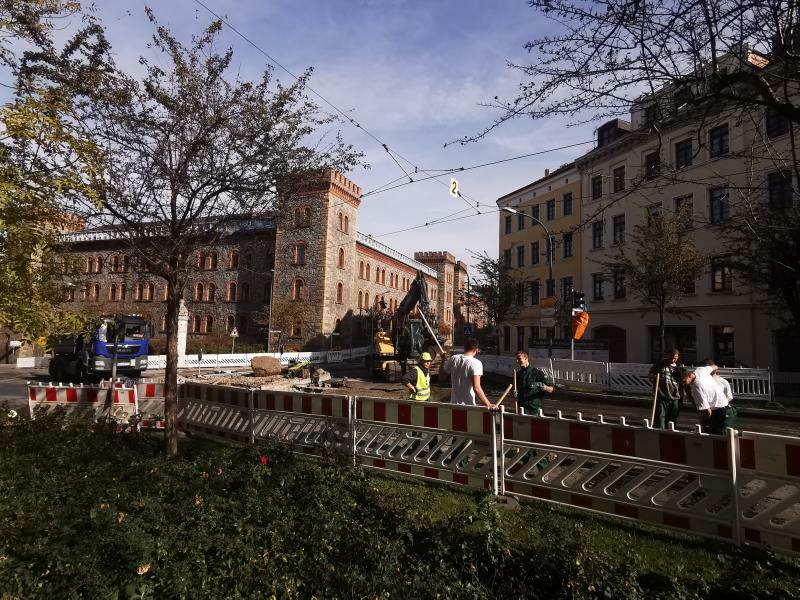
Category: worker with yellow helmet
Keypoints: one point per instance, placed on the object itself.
(418, 379)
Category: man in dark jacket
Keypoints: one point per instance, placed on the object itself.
(532, 384)
(668, 402)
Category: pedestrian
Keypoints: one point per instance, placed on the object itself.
(533, 384)
(465, 371)
(418, 379)
(668, 394)
(714, 409)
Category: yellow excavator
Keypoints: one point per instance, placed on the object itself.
(407, 334)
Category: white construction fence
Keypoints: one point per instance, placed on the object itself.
(628, 378)
(741, 487)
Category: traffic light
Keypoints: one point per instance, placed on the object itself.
(578, 301)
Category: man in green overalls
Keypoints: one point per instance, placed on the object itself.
(532, 384)
(418, 379)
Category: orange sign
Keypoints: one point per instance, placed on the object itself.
(548, 302)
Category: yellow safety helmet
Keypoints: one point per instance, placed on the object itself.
(425, 357)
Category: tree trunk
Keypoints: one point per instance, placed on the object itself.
(171, 373)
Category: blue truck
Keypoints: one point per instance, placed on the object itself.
(124, 339)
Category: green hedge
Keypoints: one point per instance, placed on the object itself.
(94, 514)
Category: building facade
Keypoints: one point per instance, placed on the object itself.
(555, 201)
(336, 281)
(712, 167)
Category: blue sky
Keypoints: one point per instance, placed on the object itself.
(412, 72)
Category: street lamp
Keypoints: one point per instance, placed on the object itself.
(514, 211)
(550, 281)
(271, 300)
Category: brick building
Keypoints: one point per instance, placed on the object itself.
(343, 280)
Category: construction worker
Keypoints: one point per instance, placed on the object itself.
(418, 379)
(533, 384)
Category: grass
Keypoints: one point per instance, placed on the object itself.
(95, 514)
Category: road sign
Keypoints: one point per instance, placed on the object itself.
(468, 330)
(454, 188)
(548, 322)
(234, 333)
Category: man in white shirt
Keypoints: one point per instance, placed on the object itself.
(709, 398)
(465, 371)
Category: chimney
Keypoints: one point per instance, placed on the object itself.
(546, 172)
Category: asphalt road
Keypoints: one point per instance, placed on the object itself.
(13, 393)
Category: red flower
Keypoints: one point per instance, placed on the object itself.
(264, 460)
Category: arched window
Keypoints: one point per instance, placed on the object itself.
(307, 214)
(297, 329)
(149, 292)
(114, 264)
(196, 324)
(231, 294)
(200, 260)
(233, 260)
(211, 293)
(245, 297)
(198, 292)
(112, 292)
(346, 224)
(209, 323)
(341, 222)
(360, 299)
(123, 291)
(167, 289)
(98, 265)
(95, 292)
(211, 261)
(298, 217)
(298, 289)
(366, 299)
(367, 273)
(377, 274)
(87, 265)
(361, 269)
(230, 323)
(339, 293)
(299, 253)
(85, 293)
(341, 258)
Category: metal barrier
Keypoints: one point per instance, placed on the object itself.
(746, 384)
(581, 374)
(97, 401)
(743, 488)
(768, 485)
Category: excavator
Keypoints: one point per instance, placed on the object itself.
(406, 334)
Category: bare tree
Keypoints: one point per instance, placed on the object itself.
(191, 154)
(606, 54)
(658, 264)
(493, 289)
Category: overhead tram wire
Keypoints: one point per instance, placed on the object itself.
(350, 119)
(444, 172)
(436, 222)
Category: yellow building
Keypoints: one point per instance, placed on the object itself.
(554, 201)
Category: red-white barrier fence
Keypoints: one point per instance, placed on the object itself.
(742, 487)
(100, 401)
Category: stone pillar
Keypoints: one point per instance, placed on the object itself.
(183, 328)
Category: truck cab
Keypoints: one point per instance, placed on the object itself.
(122, 338)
